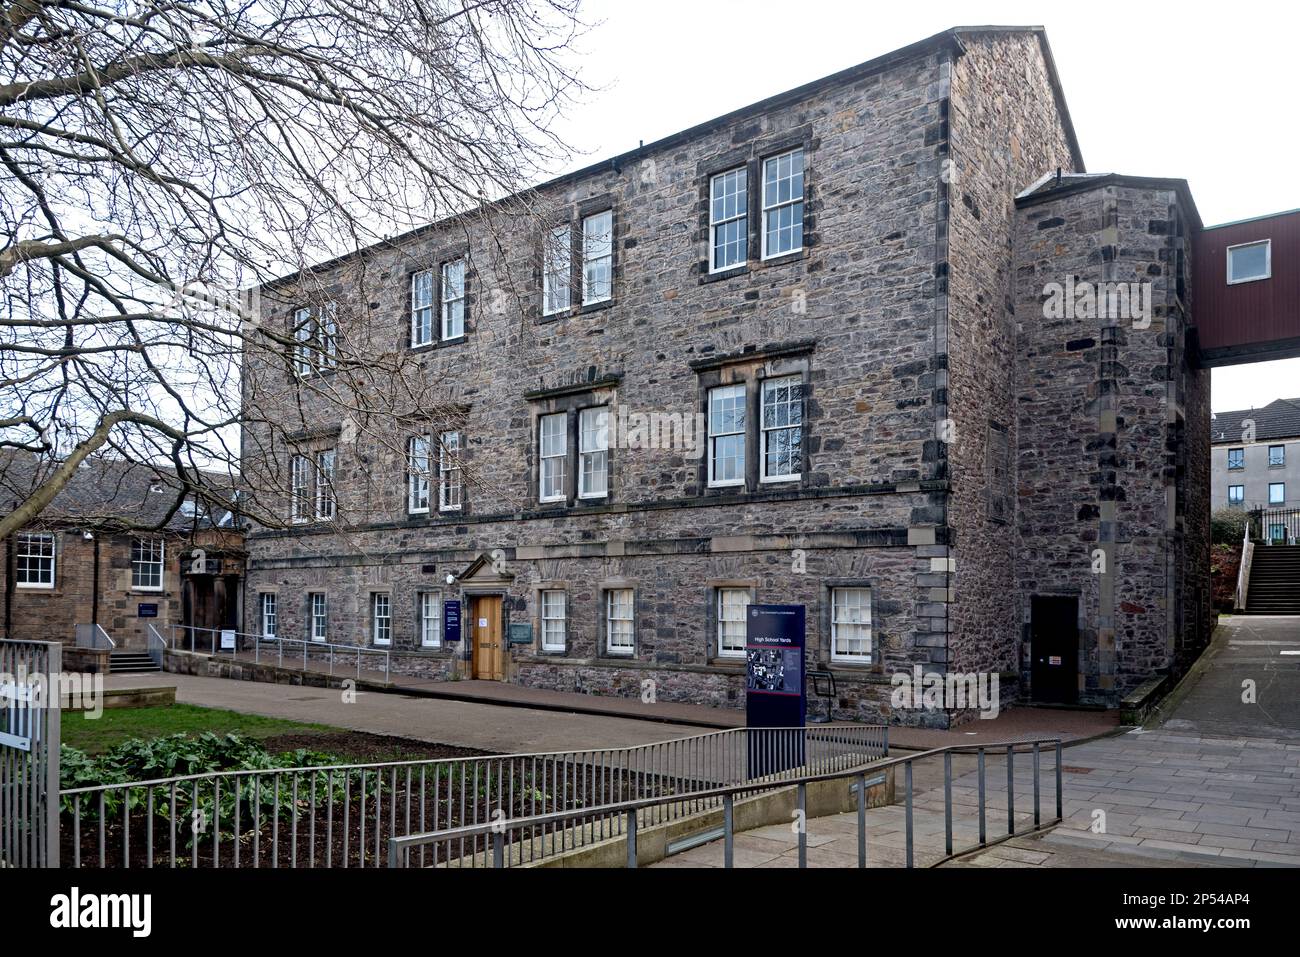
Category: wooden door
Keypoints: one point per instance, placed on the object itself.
(486, 631)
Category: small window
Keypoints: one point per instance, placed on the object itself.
(593, 453)
(556, 263)
(782, 428)
(147, 564)
(450, 481)
(1250, 262)
(326, 505)
(34, 560)
(381, 619)
(319, 616)
(1236, 458)
(300, 488)
(303, 334)
(269, 609)
(453, 299)
(1236, 494)
(554, 621)
(1276, 456)
(598, 257)
(328, 337)
(728, 220)
(422, 308)
(727, 435)
(851, 624)
(732, 603)
(783, 204)
(553, 453)
(430, 604)
(1276, 493)
(417, 474)
(618, 622)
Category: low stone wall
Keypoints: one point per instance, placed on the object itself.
(114, 698)
(772, 807)
(87, 660)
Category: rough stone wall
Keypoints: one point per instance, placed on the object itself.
(854, 314)
(1111, 433)
(1006, 132)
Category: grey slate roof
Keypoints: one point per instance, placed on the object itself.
(1280, 419)
(112, 492)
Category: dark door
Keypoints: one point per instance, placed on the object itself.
(1054, 642)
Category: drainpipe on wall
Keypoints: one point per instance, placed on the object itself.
(9, 585)
(94, 584)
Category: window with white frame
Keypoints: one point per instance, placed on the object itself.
(453, 299)
(593, 453)
(556, 266)
(1276, 493)
(552, 456)
(326, 505)
(1249, 262)
(728, 219)
(598, 257)
(727, 435)
(381, 619)
(270, 613)
(319, 616)
(422, 308)
(619, 634)
(1236, 494)
(554, 620)
(328, 336)
(34, 560)
(851, 624)
(732, 604)
(782, 429)
(303, 333)
(783, 204)
(450, 480)
(417, 474)
(430, 605)
(147, 564)
(300, 488)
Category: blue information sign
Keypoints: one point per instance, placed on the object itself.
(146, 610)
(451, 621)
(775, 695)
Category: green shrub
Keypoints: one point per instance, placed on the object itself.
(1228, 526)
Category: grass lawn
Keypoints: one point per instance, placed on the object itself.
(121, 724)
(277, 734)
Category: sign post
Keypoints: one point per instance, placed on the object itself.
(775, 694)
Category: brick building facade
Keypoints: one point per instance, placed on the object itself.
(104, 553)
(884, 408)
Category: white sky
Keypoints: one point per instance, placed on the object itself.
(1154, 89)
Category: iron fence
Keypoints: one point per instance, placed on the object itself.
(29, 753)
(345, 815)
(1275, 526)
(508, 836)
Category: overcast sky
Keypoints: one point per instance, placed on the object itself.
(1156, 89)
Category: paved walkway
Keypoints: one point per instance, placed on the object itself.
(1013, 724)
(462, 723)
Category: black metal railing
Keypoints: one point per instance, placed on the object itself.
(1275, 526)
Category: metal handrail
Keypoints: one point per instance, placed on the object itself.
(399, 847)
(155, 643)
(93, 636)
(330, 649)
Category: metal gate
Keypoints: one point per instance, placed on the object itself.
(29, 753)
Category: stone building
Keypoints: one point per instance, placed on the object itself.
(105, 553)
(838, 302)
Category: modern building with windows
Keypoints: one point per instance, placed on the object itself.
(1256, 457)
(797, 354)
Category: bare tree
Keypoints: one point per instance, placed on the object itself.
(158, 155)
